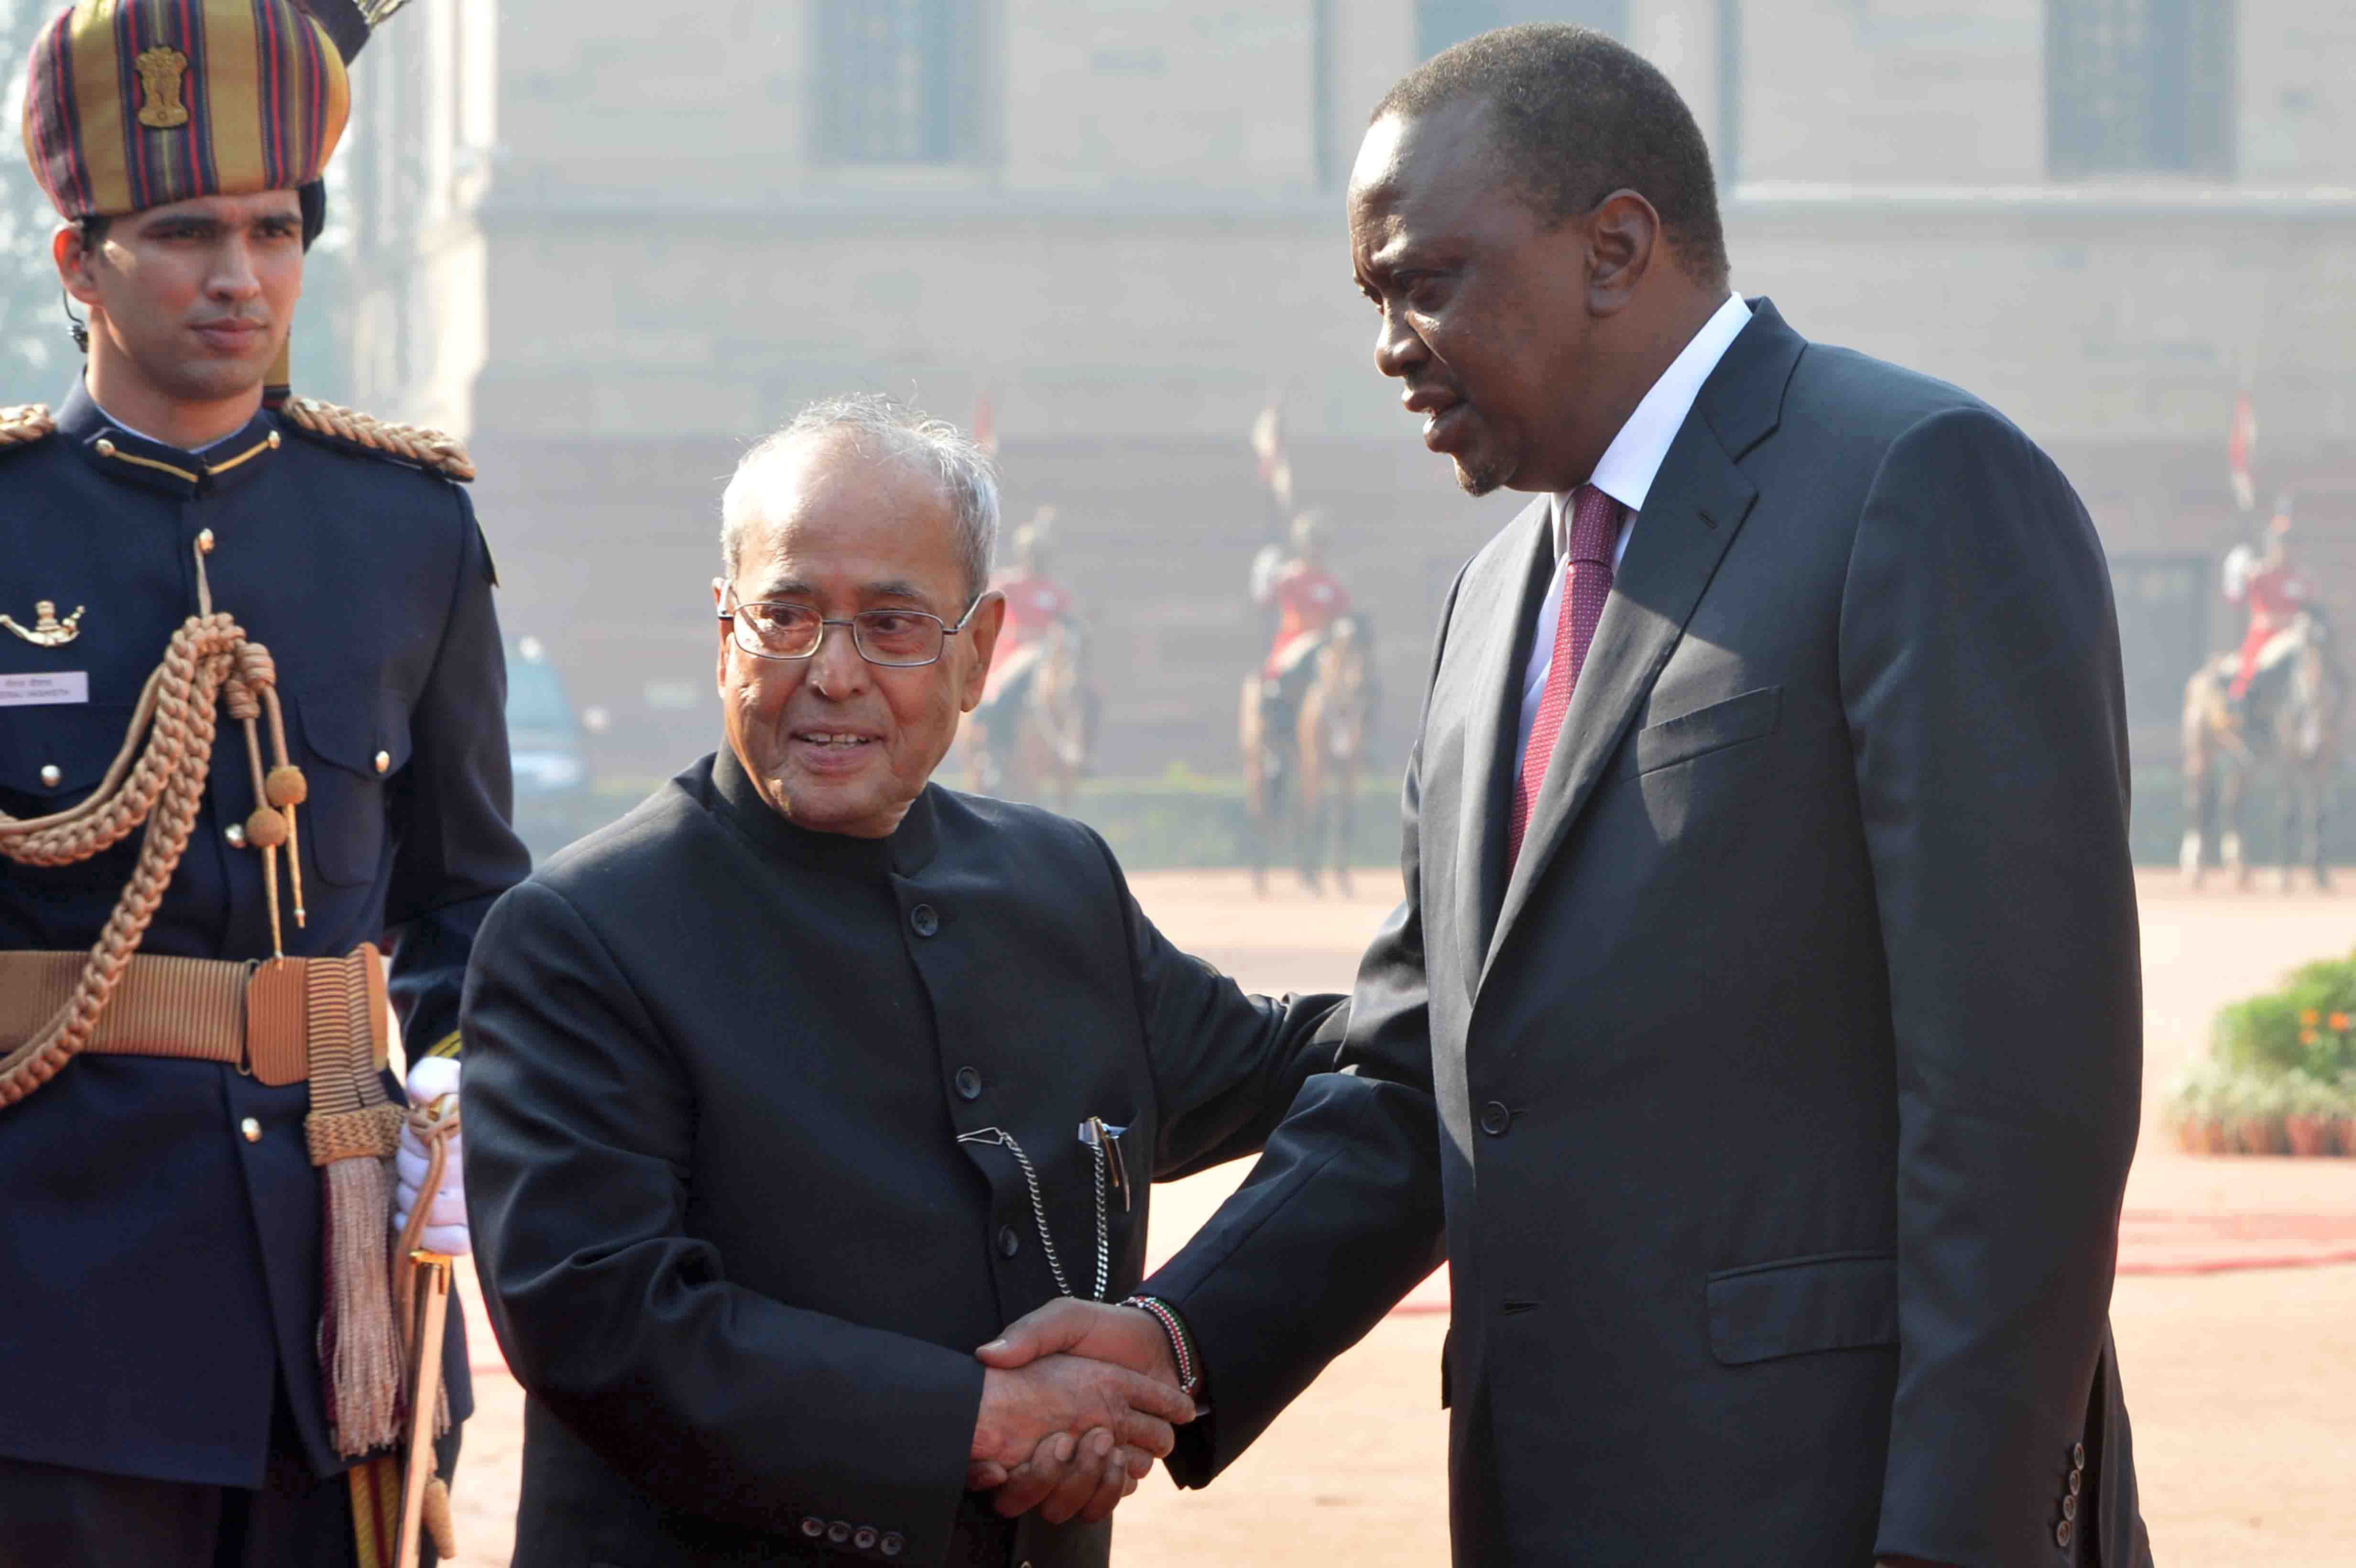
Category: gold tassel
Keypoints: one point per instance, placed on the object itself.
(359, 1346)
(438, 1528)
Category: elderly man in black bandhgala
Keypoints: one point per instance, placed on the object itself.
(805, 1078)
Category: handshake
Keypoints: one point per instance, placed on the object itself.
(1079, 1399)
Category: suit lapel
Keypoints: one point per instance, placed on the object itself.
(1695, 508)
(1495, 725)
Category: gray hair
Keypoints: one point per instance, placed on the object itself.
(878, 425)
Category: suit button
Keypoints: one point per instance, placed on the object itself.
(105, 447)
(2077, 1479)
(235, 834)
(2061, 1533)
(383, 760)
(204, 541)
(251, 1129)
(51, 775)
(864, 1538)
(1495, 1118)
(969, 1084)
(892, 1544)
(813, 1526)
(924, 920)
(2069, 1508)
(1010, 1241)
(839, 1532)
(2077, 1456)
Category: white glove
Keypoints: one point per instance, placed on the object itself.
(446, 1206)
(2239, 562)
(1267, 564)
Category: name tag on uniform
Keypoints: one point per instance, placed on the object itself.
(36, 690)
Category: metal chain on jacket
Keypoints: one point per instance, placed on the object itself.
(1005, 1139)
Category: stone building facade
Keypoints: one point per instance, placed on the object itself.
(1116, 223)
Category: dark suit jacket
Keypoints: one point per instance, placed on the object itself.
(164, 1270)
(1779, 1101)
(733, 1247)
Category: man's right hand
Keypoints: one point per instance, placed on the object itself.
(1067, 1326)
(1049, 1479)
(1024, 1404)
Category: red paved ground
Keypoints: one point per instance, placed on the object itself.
(2235, 1310)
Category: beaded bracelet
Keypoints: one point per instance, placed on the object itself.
(1182, 1347)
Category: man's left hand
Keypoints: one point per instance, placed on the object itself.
(1069, 1477)
(446, 1206)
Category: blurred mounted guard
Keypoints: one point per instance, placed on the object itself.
(1313, 610)
(197, 1131)
(2272, 706)
(2263, 579)
(1036, 726)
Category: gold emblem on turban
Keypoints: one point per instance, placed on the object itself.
(160, 71)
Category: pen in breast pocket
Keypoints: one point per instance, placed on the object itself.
(1098, 1134)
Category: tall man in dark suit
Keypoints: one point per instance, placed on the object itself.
(1761, 1029)
(807, 1076)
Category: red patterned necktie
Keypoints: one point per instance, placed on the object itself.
(1587, 583)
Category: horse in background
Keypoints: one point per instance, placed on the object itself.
(2292, 723)
(1301, 757)
(1033, 741)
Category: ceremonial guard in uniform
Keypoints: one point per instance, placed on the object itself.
(1308, 600)
(2266, 582)
(202, 1358)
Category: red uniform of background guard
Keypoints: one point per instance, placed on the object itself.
(1308, 598)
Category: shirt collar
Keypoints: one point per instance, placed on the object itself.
(1627, 471)
(117, 450)
(906, 851)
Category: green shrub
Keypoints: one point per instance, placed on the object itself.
(2308, 1027)
(2287, 1056)
(2315, 1097)
(2258, 1035)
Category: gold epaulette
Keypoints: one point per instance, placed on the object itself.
(25, 425)
(428, 448)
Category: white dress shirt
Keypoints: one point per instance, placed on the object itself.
(1625, 473)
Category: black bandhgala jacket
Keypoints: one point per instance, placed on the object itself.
(729, 1237)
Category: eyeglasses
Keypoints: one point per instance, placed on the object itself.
(896, 639)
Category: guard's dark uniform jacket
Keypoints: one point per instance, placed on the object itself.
(163, 1261)
(742, 1204)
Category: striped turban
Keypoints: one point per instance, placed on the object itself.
(131, 104)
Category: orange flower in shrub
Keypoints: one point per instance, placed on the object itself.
(2308, 1037)
(2339, 1022)
(2310, 1018)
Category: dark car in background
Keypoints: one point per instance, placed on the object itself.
(554, 801)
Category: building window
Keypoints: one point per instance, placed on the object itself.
(899, 81)
(1439, 23)
(2138, 87)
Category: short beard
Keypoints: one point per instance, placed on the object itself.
(1478, 481)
